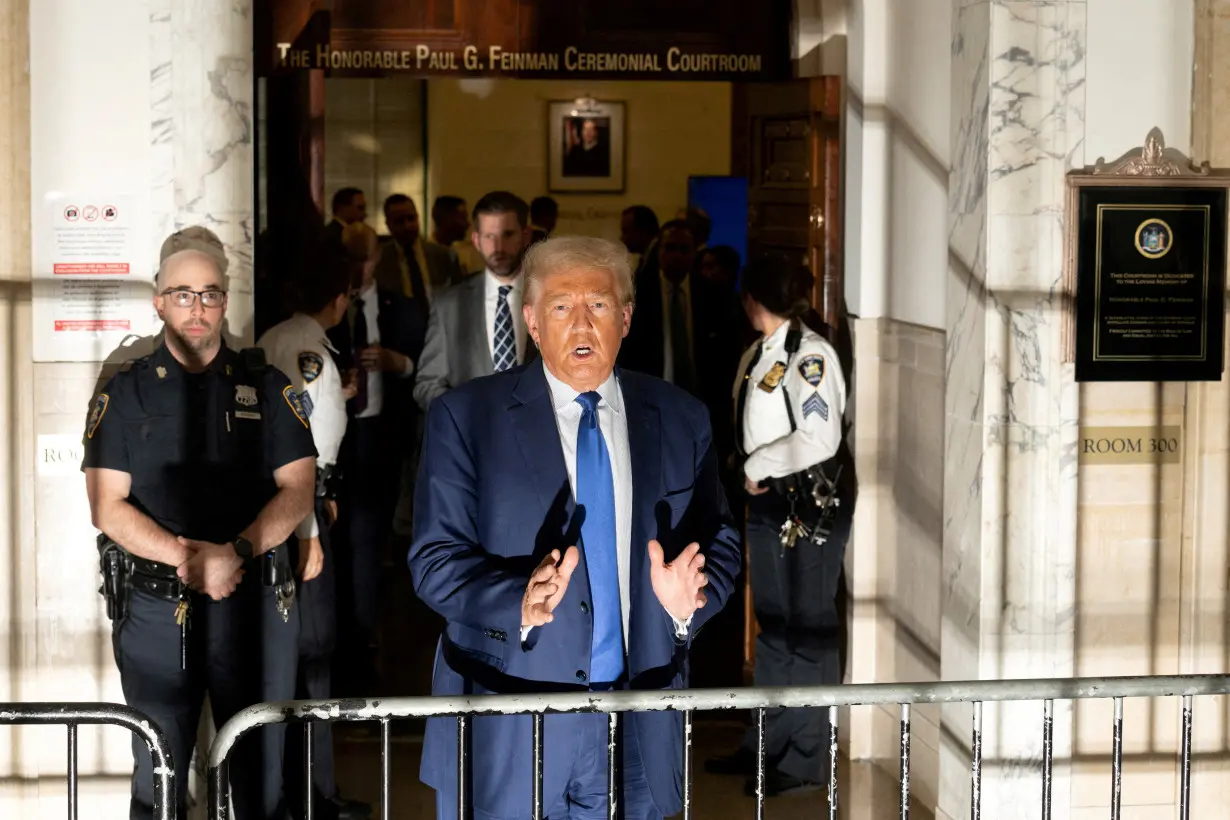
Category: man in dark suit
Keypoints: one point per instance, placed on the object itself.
(575, 536)
(409, 265)
(349, 206)
(381, 340)
(638, 230)
(688, 329)
(544, 213)
(476, 327)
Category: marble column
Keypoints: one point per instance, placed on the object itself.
(202, 133)
(1011, 406)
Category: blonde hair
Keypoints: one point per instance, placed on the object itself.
(578, 252)
(360, 241)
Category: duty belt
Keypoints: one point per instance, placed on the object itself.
(818, 486)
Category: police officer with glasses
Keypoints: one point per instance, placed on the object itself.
(799, 478)
(199, 464)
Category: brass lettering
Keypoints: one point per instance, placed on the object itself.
(423, 58)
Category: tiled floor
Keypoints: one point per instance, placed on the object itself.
(864, 793)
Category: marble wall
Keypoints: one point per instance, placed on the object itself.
(894, 560)
(1010, 471)
(201, 132)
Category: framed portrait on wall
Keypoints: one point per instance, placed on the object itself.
(585, 149)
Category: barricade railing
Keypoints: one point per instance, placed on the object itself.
(689, 701)
(73, 715)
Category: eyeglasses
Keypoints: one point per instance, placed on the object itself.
(187, 298)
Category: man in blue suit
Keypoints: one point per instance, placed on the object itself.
(571, 528)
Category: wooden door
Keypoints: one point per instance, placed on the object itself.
(786, 140)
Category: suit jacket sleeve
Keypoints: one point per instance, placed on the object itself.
(452, 573)
(716, 531)
(432, 379)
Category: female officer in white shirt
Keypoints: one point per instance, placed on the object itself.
(789, 399)
(300, 349)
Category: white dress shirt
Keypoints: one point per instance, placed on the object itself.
(613, 422)
(813, 384)
(375, 384)
(492, 299)
(300, 349)
(375, 380)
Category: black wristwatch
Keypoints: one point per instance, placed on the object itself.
(243, 547)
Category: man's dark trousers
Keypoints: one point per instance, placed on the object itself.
(240, 653)
(317, 601)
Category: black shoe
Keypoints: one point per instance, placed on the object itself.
(349, 809)
(778, 784)
(742, 763)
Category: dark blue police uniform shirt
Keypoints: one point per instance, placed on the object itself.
(201, 448)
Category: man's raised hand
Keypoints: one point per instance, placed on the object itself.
(547, 587)
(678, 584)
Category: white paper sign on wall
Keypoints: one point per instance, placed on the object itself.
(92, 287)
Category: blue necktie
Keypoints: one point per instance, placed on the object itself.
(596, 494)
(504, 355)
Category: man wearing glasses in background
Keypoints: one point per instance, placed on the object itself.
(199, 463)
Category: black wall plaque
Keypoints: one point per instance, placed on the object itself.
(1150, 282)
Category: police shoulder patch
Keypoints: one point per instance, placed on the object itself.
(811, 368)
(310, 365)
(296, 407)
(305, 399)
(96, 414)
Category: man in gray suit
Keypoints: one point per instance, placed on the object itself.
(408, 265)
(476, 327)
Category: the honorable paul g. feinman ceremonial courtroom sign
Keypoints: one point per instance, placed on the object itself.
(1147, 256)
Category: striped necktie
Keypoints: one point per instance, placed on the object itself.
(504, 353)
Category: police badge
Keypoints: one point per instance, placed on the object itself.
(246, 395)
(773, 378)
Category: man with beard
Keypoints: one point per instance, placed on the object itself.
(199, 463)
(476, 327)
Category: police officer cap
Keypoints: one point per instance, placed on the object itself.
(197, 239)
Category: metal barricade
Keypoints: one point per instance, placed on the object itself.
(688, 701)
(73, 715)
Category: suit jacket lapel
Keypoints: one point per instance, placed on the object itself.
(645, 450)
(533, 423)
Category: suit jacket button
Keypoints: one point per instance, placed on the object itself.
(585, 607)
(581, 676)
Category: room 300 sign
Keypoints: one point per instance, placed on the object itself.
(1130, 445)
